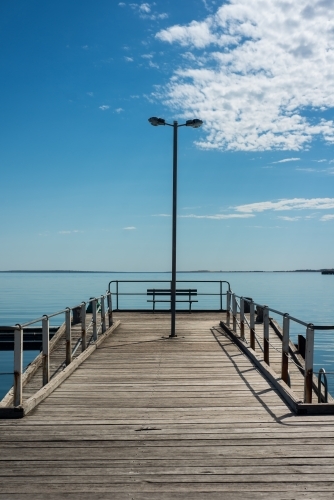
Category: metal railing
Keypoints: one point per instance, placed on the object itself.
(119, 288)
(89, 335)
(232, 307)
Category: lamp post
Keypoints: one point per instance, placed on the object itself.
(189, 123)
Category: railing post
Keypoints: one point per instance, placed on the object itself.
(242, 318)
(94, 309)
(285, 349)
(18, 363)
(117, 295)
(252, 324)
(68, 336)
(221, 295)
(309, 350)
(46, 349)
(83, 327)
(103, 314)
(234, 312)
(228, 307)
(109, 299)
(266, 334)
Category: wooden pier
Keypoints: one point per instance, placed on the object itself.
(147, 417)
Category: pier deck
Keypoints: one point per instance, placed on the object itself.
(148, 417)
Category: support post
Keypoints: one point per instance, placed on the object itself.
(234, 312)
(103, 314)
(68, 336)
(252, 324)
(18, 363)
(242, 318)
(266, 335)
(221, 296)
(309, 351)
(174, 217)
(228, 308)
(109, 299)
(46, 349)
(83, 327)
(94, 309)
(285, 349)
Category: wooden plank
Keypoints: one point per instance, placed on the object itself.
(147, 417)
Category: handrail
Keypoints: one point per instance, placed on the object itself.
(118, 293)
(232, 307)
(97, 329)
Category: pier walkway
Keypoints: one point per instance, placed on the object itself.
(147, 417)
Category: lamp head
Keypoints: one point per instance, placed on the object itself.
(194, 123)
(156, 121)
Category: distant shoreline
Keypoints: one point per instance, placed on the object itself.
(154, 272)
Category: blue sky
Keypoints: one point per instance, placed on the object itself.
(86, 181)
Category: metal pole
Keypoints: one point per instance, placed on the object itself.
(83, 327)
(234, 313)
(103, 315)
(228, 307)
(266, 334)
(173, 288)
(309, 351)
(285, 349)
(252, 324)
(46, 349)
(94, 308)
(18, 362)
(242, 318)
(68, 336)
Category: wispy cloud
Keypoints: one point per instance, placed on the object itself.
(326, 218)
(292, 204)
(145, 11)
(161, 215)
(91, 94)
(290, 219)
(74, 231)
(286, 160)
(129, 228)
(104, 107)
(263, 67)
(128, 59)
(217, 216)
(119, 110)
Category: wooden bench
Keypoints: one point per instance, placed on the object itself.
(157, 295)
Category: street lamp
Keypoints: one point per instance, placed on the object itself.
(189, 123)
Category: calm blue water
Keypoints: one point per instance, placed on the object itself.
(307, 296)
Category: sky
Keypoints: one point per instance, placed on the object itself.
(86, 181)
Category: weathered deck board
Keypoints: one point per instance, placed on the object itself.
(149, 417)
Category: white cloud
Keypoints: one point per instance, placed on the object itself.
(320, 161)
(217, 216)
(121, 4)
(70, 232)
(286, 160)
(145, 11)
(129, 228)
(292, 204)
(268, 65)
(104, 107)
(307, 169)
(128, 59)
(161, 215)
(147, 56)
(326, 218)
(119, 110)
(290, 219)
(91, 94)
